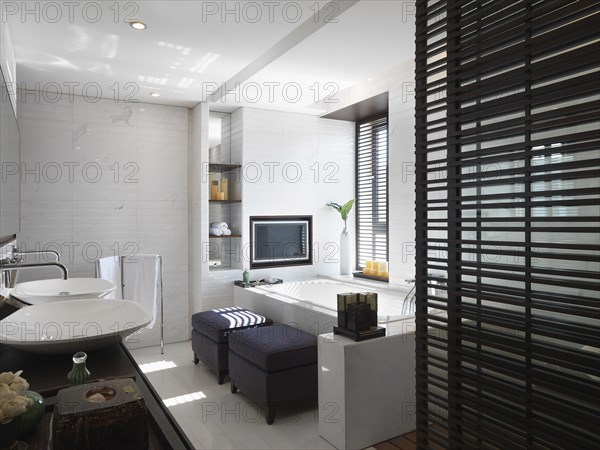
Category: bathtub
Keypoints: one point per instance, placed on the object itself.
(347, 368)
(311, 305)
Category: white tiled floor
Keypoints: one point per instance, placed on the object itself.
(213, 417)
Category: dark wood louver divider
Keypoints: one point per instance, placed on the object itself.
(371, 190)
(508, 210)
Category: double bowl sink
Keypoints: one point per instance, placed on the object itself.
(65, 316)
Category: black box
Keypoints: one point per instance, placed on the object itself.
(372, 302)
(358, 317)
(345, 299)
(358, 336)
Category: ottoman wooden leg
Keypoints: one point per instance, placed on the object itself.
(221, 377)
(233, 387)
(270, 415)
(196, 360)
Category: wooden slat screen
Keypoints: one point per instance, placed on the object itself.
(371, 190)
(508, 217)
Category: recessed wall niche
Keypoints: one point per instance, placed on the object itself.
(225, 196)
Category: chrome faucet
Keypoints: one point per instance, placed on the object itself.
(409, 302)
(14, 261)
(6, 266)
(16, 253)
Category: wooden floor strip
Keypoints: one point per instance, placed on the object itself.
(403, 443)
(408, 441)
(387, 445)
(412, 436)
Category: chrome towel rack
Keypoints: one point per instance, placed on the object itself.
(160, 281)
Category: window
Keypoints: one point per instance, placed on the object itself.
(371, 190)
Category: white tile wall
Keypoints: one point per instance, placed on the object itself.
(8, 63)
(208, 290)
(402, 170)
(198, 206)
(127, 192)
(399, 83)
(315, 165)
(9, 162)
(260, 137)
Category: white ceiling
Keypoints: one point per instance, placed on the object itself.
(190, 48)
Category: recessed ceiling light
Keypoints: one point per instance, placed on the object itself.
(137, 25)
(154, 94)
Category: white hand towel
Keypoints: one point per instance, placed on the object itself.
(109, 269)
(142, 282)
(215, 231)
(221, 225)
(226, 232)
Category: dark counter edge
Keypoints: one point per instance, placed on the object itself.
(171, 435)
(167, 430)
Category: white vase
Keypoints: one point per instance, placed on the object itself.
(345, 253)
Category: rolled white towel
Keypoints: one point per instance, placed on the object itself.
(226, 232)
(215, 231)
(221, 225)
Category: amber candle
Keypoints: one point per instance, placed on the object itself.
(214, 190)
(376, 267)
(224, 186)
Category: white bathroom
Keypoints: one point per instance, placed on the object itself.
(119, 128)
(351, 224)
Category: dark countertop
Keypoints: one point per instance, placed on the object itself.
(47, 374)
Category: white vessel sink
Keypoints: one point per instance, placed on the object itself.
(72, 325)
(43, 291)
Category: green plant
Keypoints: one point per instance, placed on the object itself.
(344, 209)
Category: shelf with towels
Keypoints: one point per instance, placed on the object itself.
(225, 206)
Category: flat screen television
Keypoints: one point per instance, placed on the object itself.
(277, 241)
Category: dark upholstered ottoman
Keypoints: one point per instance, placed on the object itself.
(274, 366)
(210, 333)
